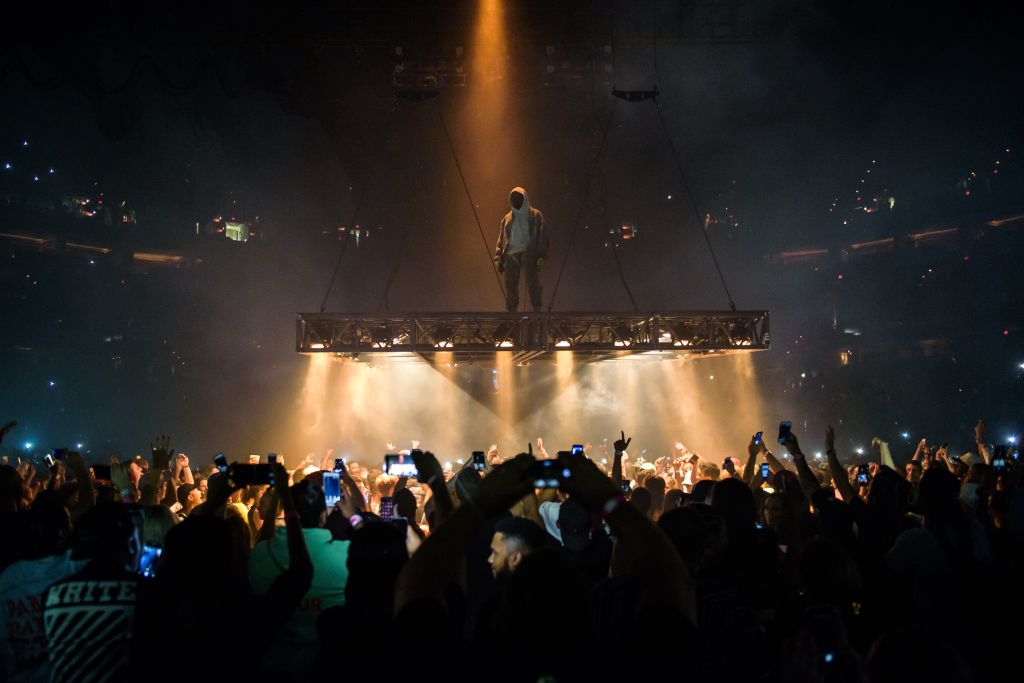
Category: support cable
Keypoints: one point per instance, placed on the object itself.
(355, 215)
(583, 203)
(693, 204)
(469, 198)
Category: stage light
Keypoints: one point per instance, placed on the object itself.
(318, 345)
(906, 435)
(1011, 439)
(562, 344)
(1021, 366)
(506, 344)
(79, 445)
(818, 455)
(28, 445)
(860, 451)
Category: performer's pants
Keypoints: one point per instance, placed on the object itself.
(513, 264)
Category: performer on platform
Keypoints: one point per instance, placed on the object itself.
(522, 246)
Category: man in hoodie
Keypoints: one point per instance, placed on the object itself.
(522, 246)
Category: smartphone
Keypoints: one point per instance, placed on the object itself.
(339, 466)
(1015, 454)
(254, 459)
(59, 453)
(757, 438)
(332, 488)
(272, 458)
(247, 474)
(101, 472)
(387, 508)
(766, 471)
(148, 560)
(548, 474)
(785, 429)
(399, 465)
(479, 461)
(49, 460)
(577, 449)
(221, 462)
(627, 486)
(729, 466)
(863, 474)
(999, 457)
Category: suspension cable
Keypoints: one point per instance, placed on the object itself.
(693, 204)
(472, 206)
(355, 214)
(583, 203)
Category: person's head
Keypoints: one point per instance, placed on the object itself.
(48, 524)
(914, 472)
(188, 497)
(157, 520)
(708, 470)
(734, 500)
(641, 499)
(516, 198)
(384, 485)
(939, 494)
(405, 504)
(201, 484)
(688, 534)
(701, 491)
(198, 552)
(11, 489)
(514, 539)
(309, 504)
(674, 498)
(574, 525)
(106, 535)
(376, 556)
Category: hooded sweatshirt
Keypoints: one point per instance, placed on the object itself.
(519, 228)
(522, 230)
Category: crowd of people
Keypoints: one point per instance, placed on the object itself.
(577, 565)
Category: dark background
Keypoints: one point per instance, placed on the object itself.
(287, 114)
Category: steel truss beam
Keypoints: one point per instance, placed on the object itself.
(532, 336)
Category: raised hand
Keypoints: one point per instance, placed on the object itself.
(792, 445)
(980, 431)
(427, 467)
(6, 428)
(623, 443)
(830, 439)
(506, 484)
(587, 483)
(162, 452)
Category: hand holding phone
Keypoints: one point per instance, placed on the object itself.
(221, 461)
(479, 461)
(863, 474)
(785, 429)
(332, 488)
(766, 471)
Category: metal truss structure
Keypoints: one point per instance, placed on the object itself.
(532, 336)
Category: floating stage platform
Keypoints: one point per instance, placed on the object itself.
(531, 337)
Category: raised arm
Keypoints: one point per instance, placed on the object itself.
(438, 561)
(980, 433)
(838, 472)
(808, 482)
(291, 585)
(620, 451)
(752, 450)
(642, 549)
(431, 472)
(86, 494)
